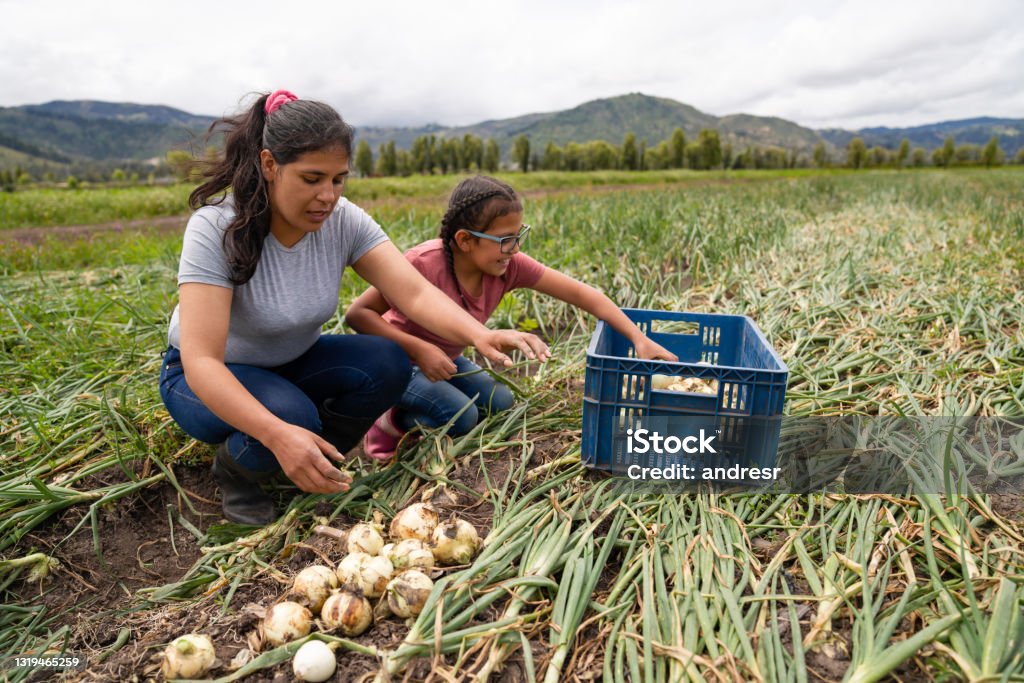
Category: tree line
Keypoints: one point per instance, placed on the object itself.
(431, 154)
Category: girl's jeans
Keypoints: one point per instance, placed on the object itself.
(361, 375)
(433, 404)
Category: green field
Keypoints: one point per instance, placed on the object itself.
(884, 292)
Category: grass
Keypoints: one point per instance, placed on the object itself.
(885, 293)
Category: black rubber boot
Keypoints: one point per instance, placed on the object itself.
(244, 500)
(343, 431)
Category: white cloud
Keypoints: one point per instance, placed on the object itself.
(838, 63)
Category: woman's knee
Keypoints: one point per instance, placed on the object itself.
(500, 399)
(465, 421)
(392, 371)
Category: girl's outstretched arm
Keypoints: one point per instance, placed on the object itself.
(385, 268)
(581, 295)
(364, 316)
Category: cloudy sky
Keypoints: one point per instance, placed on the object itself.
(843, 63)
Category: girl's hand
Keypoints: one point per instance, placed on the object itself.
(492, 343)
(304, 458)
(433, 363)
(649, 350)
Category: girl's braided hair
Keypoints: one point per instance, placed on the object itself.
(474, 204)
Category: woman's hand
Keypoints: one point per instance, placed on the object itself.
(649, 350)
(433, 362)
(493, 342)
(304, 455)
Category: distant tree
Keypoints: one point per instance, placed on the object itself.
(181, 164)
(1019, 157)
(472, 153)
(878, 156)
(443, 156)
(491, 157)
(630, 161)
(364, 159)
(820, 155)
(902, 153)
(521, 152)
(404, 165)
(948, 151)
(992, 155)
(72, 182)
(7, 181)
(677, 149)
(967, 155)
(939, 157)
(708, 150)
(600, 156)
(572, 157)
(642, 155)
(856, 153)
(552, 160)
(117, 176)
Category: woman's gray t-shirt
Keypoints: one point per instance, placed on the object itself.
(278, 314)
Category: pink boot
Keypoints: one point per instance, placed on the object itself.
(382, 440)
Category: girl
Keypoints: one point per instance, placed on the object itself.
(475, 261)
(260, 274)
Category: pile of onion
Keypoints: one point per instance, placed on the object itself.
(455, 542)
(369, 574)
(416, 521)
(347, 612)
(286, 621)
(408, 593)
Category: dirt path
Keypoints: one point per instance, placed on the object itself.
(34, 236)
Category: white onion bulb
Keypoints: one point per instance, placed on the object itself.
(367, 573)
(386, 550)
(364, 538)
(312, 586)
(416, 521)
(347, 612)
(189, 656)
(314, 661)
(412, 553)
(408, 593)
(455, 542)
(286, 621)
(662, 382)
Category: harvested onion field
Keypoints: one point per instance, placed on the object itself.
(885, 293)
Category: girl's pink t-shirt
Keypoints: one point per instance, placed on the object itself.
(429, 259)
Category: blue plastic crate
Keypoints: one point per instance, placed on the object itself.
(751, 384)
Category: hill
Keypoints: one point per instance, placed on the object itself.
(69, 135)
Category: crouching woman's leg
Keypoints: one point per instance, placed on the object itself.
(241, 462)
(352, 379)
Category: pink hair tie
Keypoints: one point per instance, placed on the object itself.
(276, 99)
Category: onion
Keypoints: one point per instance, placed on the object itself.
(347, 612)
(286, 621)
(408, 593)
(662, 382)
(455, 542)
(366, 573)
(416, 521)
(189, 656)
(314, 661)
(364, 538)
(312, 586)
(386, 551)
(412, 553)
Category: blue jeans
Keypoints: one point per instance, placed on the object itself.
(361, 375)
(432, 404)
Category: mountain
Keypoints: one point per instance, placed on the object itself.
(649, 118)
(85, 134)
(87, 130)
(976, 131)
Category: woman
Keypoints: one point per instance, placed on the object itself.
(260, 274)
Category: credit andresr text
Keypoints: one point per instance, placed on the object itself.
(642, 441)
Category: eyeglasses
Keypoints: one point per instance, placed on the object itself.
(508, 243)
